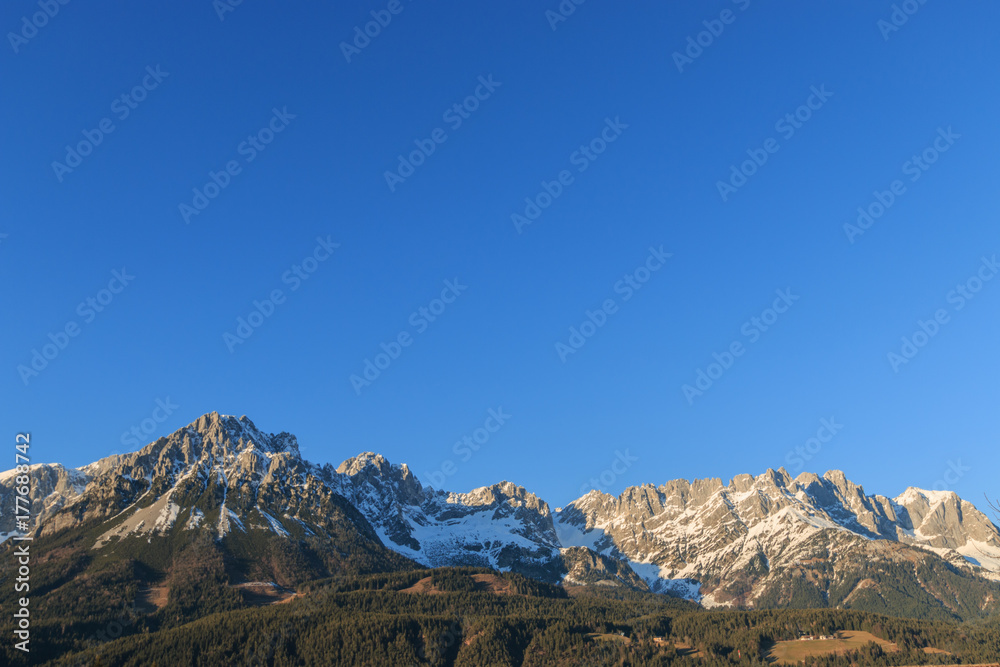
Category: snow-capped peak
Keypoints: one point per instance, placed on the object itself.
(932, 498)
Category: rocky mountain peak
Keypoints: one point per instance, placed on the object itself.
(775, 478)
(807, 479)
(369, 473)
(844, 486)
(237, 433)
(504, 492)
(945, 520)
(357, 464)
(678, 494)
(741, 483)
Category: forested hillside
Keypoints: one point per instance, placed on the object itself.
(467, 617)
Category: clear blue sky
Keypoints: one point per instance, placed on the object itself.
(656, 183)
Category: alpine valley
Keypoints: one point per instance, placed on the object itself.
(221, 518)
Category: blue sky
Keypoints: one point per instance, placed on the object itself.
(641, 139)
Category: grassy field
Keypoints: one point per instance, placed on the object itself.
(483, 582)
(793, 652)
(688, 651)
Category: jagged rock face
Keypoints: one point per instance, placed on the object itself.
(52, 487)
(222, 476)
(212, 465)
(944, 520)
(586, 567)
(372, 470)
(501, 526)
(735, 539)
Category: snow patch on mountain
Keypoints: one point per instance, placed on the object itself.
(197, 516)
(274, 524)
(660, 582)
(233, 517)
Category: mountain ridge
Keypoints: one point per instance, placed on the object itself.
(764, 540)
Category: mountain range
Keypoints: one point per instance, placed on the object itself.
(765, 541)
